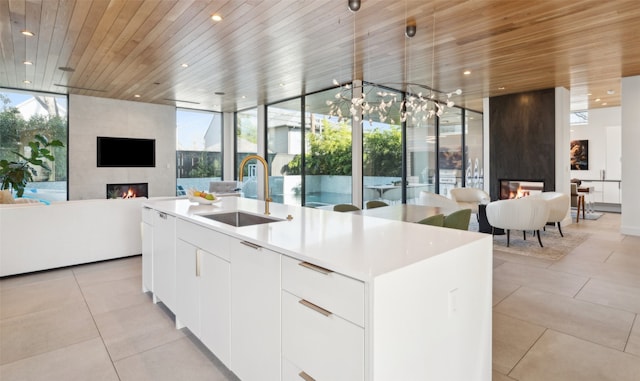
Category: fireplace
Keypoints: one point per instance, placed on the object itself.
(131, 190)
(519, 188)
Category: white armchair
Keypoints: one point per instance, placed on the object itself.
(527, 213)
(469, 198)
(559, 204)
(433, 199)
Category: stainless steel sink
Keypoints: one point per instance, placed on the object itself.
(239, 219)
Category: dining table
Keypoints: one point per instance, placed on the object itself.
(405, 212)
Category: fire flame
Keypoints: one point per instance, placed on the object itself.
(129, 194)
(519, 193)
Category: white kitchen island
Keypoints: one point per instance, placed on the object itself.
(324, 295)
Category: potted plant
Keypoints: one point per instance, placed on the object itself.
(15, 174)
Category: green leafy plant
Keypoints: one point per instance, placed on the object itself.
(16, 174)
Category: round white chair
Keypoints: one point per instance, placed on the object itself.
(527, 213)
(469, 198)
(559, 204)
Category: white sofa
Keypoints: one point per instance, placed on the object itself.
(37, 237)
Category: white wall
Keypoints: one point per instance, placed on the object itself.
(90, 117)
(630, 155)
(596, 133)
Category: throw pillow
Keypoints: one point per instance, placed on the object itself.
(6, 197)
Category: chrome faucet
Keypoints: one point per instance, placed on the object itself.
(266, 178)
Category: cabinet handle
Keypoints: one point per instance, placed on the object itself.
(251, 245)
(198, 255)
(314, 307)
(146, 208)
(162, 215)
(305, 376)
(313, 267)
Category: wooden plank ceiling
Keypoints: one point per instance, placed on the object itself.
(264, 51)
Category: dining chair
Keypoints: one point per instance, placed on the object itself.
(376, 204)
(458, 219)
(435, 220)
(345, 208)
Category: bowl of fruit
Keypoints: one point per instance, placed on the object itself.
(202, 197)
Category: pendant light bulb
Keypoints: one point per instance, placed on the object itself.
(354, 5)
(411, 28)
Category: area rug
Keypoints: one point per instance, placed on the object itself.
(587, 216)
(555, 246)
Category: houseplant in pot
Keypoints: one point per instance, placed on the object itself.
(16, 174)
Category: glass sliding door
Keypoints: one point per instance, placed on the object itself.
(247, 144)
(381, 155)
(421, 158)
(474, 168)
(327, 164)
(199, 149)
(450, 156)
(284, 147)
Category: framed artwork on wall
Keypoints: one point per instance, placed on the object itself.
(579, 156)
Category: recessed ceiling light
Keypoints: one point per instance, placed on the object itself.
(28, 63)
(610, 92)
(216, 17)
(26, 81)
(467, 72)
(136, 95)
(501, 88)
(589, 94)
(604, 103)
(27, 33)
(185, 65)
(281, 84)
(597, 99)
(244, 97)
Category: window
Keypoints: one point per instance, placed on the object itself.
(450, 155)
(284, 147)
(579, 117)
(421, 158)
(381, 156)
(25, 115)
(474, 171)
(327, 165)
(247, 144)
(199, 149)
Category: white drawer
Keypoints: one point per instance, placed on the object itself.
(324, 347)
(147, 215)
(337, 293)
(205, 239)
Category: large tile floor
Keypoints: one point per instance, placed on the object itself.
(572, 319)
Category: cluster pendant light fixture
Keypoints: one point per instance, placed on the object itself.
(418, 103)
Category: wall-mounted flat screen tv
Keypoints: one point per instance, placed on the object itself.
(126, 152)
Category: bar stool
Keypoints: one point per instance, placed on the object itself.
(580, 206)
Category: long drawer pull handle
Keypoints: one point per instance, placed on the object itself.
(198, 256)
(317, 268)
(251, 245)
(305, 376)
(318, 309)
(162, 215)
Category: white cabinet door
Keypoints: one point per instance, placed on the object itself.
(187, 286)
(215, 305)
(147, 257)
(611, 193)
(255, 311)
(164, 258)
